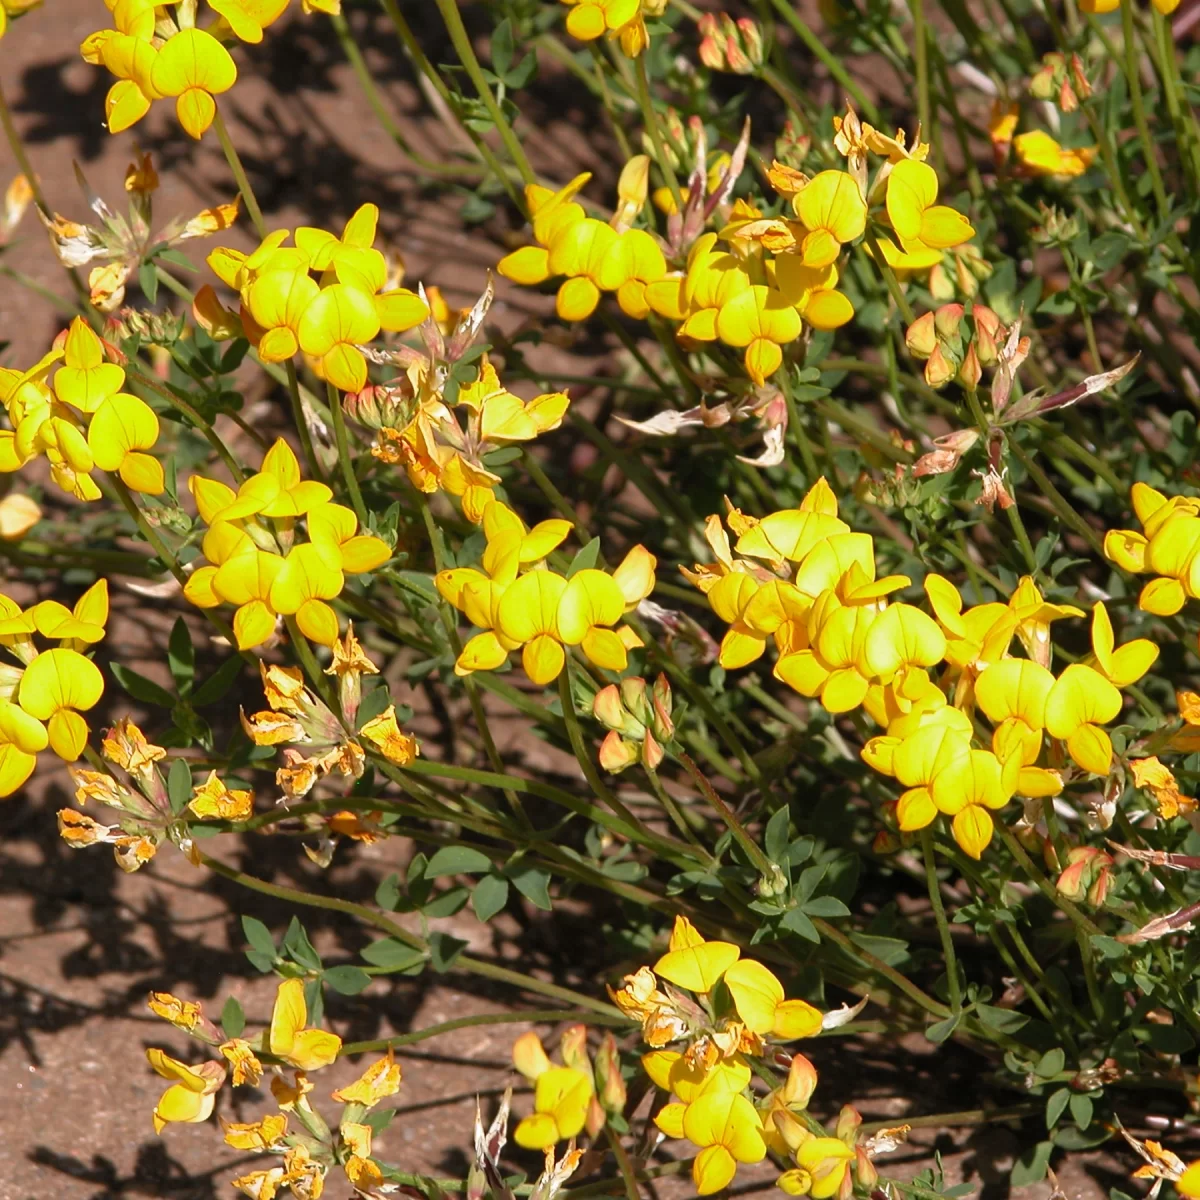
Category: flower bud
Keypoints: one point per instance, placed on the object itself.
(573, 1047)
(792, 147)
(886, 842)
(616, 754)
(18, 515)
(608, 709)
(939, 370)
(989, 333)
(1083, 87)
(947, 320)
(652, 752)
(969, 370)
(595, 1119)
(941, 286)
(849, 1119)
(610, 1083)
(921, 337)
(1042, 84)
(864, 1169)
(529, 1055)
(752, 42)
(633, 696)
(663, 726)
(800, 1084)
(712, 53)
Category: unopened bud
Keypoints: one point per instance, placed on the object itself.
(529, 1055)
(921, 337)
(939, 370)
(1067, 100)
(864, 1169)
(849, 1119)
(989, 333)
(573, 1045)
(712, 53)
(608, 709)
(752, 41)
(941, 286)
(886, 842)
(652, 752)
(800, 1084)
(616, 754)
(1041, 86)
(947, 320)
(635, 698)
(596, 1118)
(1083, 87)
(610, 1083)
(792, 146)
(969, 371)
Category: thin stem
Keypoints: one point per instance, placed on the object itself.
(1132, 63)
(889, 278)
(466, 55)
(345, 460)
(921, 57)
(650, 117)
(239, 175)
(765, 867)
(529, 1016)
(1077, 918)
(300, 420)
(939, 914)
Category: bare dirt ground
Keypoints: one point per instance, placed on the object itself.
(81, 944)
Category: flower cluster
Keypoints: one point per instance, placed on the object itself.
(157, 52)
(804, 579)
(520, 604)
(255, 562)
(42, 699)
(414, 416)
(756, 283)
(141, 796)
(294, 717)
(720, 1010)
(324, 297)
(622, 20)
(79, 420)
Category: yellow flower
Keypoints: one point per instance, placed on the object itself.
(266, 1134)
(562, 1095)
(821, 1165)
(191, 1097)
(1040, 154)
(380, 1080)
(194, 67)
(243, 1062)
(288, 1039)
(277, 490)
(57, 686)
(727, 1128)
(967, 788)
(622, 19)
(1156, 778)
(18, 515)
(1079, 703)
(214, 801)
(919, 221)
(833, 212)
(761, 320)
(693, 963)
(1124, 665)
(758, 997)
(385, 734)
(121, 429)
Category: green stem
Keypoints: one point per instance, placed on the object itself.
(650, 118)
(300, 420)
(466, 55)
(1058, 501)
(1132, 62)
(921, 57)
(889, 278)
(346, 461)
(939, 914)
(1077, 918)
(529, 1016)
(239, 175)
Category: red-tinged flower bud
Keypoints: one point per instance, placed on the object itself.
(652, 752)
(886, 842)
(1067, 100)
(864, 1168)
(663, 726)
(887, 813)
(939, 370)
(1041, 86)
(792, 147)
(608, 709)
(941, 286)
(610, 1083)
(616, 754)
(634, 697)
(921, 337)
(800, 1084)
(989, 333)
(947, 320)
(712, 54)
(736, 59)
(752, 40)
(596, 1118)
(964, 277)
(573, 1045)
(1083, 87)
(849, 1119)
(969, 371)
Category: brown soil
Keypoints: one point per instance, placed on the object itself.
(80, 943)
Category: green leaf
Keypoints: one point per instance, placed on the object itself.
(534, 884)
(179, 785)
(939, 1031)
(490, 896)
(444, 949)
(1051, 1063)
(233, 1019)
(392, 955)
(218, 683)
(826, 906)
(1082, 1109)
(1108, 250)
(586, 559)
(181, 656)
(296, 943)
(457, 860)
(175, 258)
(346, 980)
(502, 47)
(1031, 1166)
(1056, 1105)
(258, 935)
(314, 1001)
(446, 904)
(798, 923)
(141, 688)
(379, 1120)
(1002, 1020)
(148, 281)
(775, 836)
(374, 701)
(388, 895)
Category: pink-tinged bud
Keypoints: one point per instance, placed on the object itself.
(969, 371)
(921, 338)
(737, 61)
(610, 1083)
(529, 1055)
(965, 277)
(663, 726)
(1083, 87)
(849, 1119)
(652, 752)
(941, 286)
(989, 333)
(634, 697)
(1041, 86)
(885, 842)
(596, 1118)
(573, 1046)
(1088, 873)
(608, 709)
(947, 320)
(864, 1169)
(752, 40)
(711, 52)
(939, 370)
(800, 1084)
(616, 754)
(1067, 100)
